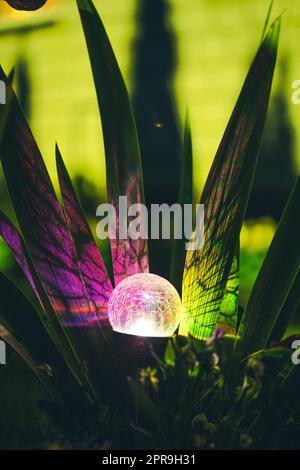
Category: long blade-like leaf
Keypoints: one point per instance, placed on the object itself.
(52, 250)
(8, 337)
(274, 281)
(41, 337)
(47, 315)
(41, 219)
(144, 403)
(288, 312)
(267, 21)
(91, 264)
(17, 312)
(97, 283)
(123, 163)
(185, 197)
(14, 240)
(282, 408)
(226, 194)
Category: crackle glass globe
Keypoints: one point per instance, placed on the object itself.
(145, 305)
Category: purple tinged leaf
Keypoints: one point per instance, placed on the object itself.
(91, 264)
(47, 316)
(217, 334)
(15, 242)
(41, 219)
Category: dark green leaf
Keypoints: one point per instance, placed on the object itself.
(288, 312)
(267, 21)
(144, 403)
(185, 197)
(17, 312)
(7, 336)
(123, 162)
(52, 256)
(274, 281)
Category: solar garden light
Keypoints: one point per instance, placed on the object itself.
(144, 309)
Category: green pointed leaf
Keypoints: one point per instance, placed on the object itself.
(289, 311)
(46, 313)
(24, 322)
(7, 336)
(267, 20)
(144, 403)
(274, 281)
(123, 162)
(50, 252)
(226, 195)
(186, 174)
(285, 403)
(39, 333)
(185, 197)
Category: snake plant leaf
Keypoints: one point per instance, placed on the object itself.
(29, 328)
(123, 162)
(41, 219)
(7, 336)
(19, 315)
(143, 403)
(103, 361)
(267, 20)
(51, 248)
(289, 311)
(14, 241)
(185, 197)
(225, 196)
(46, 313)
(47, 238)
(284, 405)
(91, 264)
(277, 275)
(186, 174)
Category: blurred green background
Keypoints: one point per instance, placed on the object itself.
(174, 54)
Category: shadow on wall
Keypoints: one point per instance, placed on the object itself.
(276, 169)
(154, 66)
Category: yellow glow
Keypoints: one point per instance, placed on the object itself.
(256, 235)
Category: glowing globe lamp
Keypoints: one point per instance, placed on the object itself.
(145, 305)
